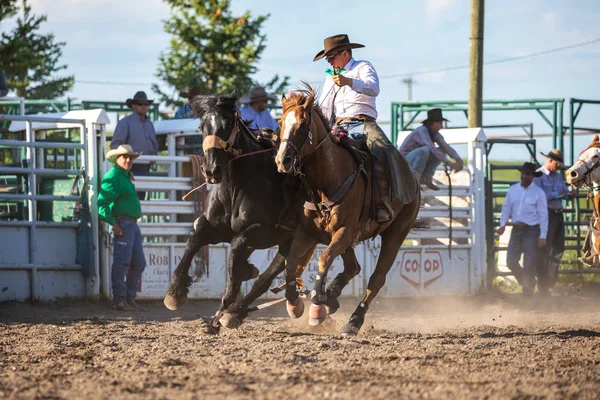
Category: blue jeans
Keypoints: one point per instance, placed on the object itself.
(423, 162)
(523, 241)
(128, 254)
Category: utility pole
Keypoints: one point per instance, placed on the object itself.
(409, 83)
(476, 64)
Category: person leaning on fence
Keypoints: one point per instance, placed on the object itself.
(423, 155)
(525, 205)
(255, 109)
(193, 143)
(119, 206)
(137, 130)
(553, 185)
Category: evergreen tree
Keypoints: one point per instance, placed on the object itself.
(29, 59)
(212, 48)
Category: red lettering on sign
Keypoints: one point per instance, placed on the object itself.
(421, 268)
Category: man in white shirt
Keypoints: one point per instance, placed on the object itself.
(525, 205)
(348, 101)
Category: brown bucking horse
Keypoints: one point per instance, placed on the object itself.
(341, 192)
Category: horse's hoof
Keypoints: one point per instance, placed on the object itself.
(295, 309)
(230, 321)
(349, 330)
(316, 314)
(210, 329)
(332, 305)
(173, 303)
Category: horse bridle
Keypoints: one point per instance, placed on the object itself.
(298, 161)
(215, 142)
(589, 170)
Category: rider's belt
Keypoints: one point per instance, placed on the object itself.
(555, 210)
(356, 118)
(521, 225)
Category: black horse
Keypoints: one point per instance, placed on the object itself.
(243, 208)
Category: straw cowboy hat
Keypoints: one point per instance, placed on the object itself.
(257, 93)
(435, 114)
(139, 96)
(336, 43)
(555, 155)
(192, 91)
(122, 150)
(529, 168)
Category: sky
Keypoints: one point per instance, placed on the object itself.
(120, 41)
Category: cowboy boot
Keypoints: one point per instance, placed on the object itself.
(383, 196)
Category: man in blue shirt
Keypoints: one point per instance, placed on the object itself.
(137, 130)
(255, 109)
(553, 185)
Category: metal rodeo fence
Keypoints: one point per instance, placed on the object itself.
(38, 246)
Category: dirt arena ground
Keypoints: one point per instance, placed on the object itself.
(494, 346)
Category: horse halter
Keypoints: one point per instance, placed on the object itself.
(589, 170)
(215, 142)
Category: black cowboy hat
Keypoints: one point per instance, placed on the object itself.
(139, 96)
(336, 43)
(435, 114)
(257, 93)
(192, 91)
(529, 168)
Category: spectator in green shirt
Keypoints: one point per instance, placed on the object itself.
(119, 206)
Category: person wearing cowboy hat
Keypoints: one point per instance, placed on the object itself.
(525, 205)
(420, 150)
(552, 183)
(348, 100)
(183, 112)
(193, 143)
(119, 206)
(254, 109)
(137, 130)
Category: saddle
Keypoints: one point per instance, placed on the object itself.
(356, 145)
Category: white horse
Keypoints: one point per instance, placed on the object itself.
(586, 172)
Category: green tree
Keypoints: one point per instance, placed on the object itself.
(29, 59)
(8, 8)
(213, 48)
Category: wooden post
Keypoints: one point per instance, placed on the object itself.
(476, 64)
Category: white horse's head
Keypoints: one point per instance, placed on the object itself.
(586, 168)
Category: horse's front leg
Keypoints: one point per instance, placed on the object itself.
(238, 271)
(340, 242)
(334, 290)
(204, 234)
(302, 248)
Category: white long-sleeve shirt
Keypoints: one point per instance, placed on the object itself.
(526, 205)
(355, 100)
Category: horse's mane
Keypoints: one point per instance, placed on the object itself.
(595, 143)
(204, 104)
(301, 97)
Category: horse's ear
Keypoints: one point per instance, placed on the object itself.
(284, 100)
(596, 139)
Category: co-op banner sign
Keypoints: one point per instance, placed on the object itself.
(429, 271)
